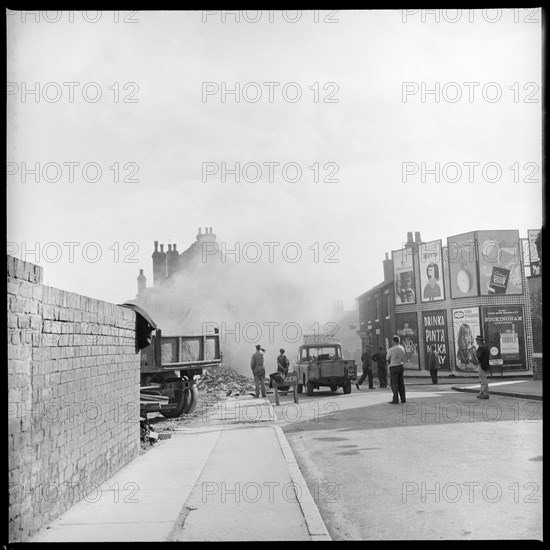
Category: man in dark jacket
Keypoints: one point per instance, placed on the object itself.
(366, 358)
(482, 354)
(433, 363)
(282, 367)
(380, 359)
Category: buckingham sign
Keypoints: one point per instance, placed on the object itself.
(505, 335)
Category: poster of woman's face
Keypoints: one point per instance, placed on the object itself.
(403, 275)
(431, 271)
(466, 325)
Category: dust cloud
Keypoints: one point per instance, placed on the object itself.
(250, 303)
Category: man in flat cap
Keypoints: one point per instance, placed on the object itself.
(258, 370)
(482, 354)
(282, 367)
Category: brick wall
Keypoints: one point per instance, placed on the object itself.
(73, 397)
(535, 296)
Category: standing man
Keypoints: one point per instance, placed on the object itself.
(380, 358)
(366, 357)
(433, 363)
(482, 353)
(258, 370)
(282, 367)
(396, 357)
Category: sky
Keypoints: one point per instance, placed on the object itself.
(346, 129)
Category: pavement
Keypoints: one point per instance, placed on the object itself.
(229, 476)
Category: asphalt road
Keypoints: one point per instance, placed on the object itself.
(443, 466)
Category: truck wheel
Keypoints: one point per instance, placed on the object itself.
(347, 387)
(333, 388)
(191, 398)
(309, 388)
(299, 388)
(179, 399)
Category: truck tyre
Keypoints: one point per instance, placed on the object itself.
(347, 387)
(309, 388)
(299, 388)
(179, 399)
(191, 398)
(333, 388)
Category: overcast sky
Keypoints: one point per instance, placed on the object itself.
(361, 116)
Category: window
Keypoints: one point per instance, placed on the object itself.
(377, 308)
(387, 304)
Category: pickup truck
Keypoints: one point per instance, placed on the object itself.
(321, 364)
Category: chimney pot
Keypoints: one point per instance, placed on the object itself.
(174, 247)
(169, 248)
(417, 237)
(156, 246)
(409, 237)
(200, 231)
(162, 248)
(141, 271)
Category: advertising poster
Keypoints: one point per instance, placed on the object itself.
(434, 327)
(499, 262)
(504, 334)
(431, 272)
(407, 330)
(534, 258)
(462, 256)
(403, 275)
(466, 327)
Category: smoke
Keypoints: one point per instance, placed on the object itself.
(250, 303)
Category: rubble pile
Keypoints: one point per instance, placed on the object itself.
(222, 381)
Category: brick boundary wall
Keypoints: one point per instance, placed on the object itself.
(535, 295)
(73, 397)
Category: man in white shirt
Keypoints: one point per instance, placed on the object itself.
(396, 357)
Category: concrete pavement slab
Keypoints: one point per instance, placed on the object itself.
(182, 489)
(523, 389)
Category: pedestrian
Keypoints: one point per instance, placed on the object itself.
(366, 358)
(258, 370)
(396, 357)
(433, 363)
(382, 364)
(282, 367)
(482, 353)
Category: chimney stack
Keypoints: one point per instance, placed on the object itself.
(172, 258)
(417, 238)
(388, 269)
(159, 264)
(142, 282)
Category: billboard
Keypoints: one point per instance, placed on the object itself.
(499, 262)
(434, 330)
(504, 335)
(403, 275)
(407, 330)
(466, 326)
(431, 272)
(534, 258)
(462, 256)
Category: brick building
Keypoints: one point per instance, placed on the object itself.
(166, 263)
(377, 310)
(446, 295)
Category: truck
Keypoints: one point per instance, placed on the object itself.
(320, 363)
(170, 366)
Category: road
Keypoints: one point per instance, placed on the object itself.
(443, 466)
